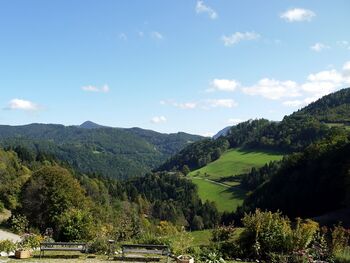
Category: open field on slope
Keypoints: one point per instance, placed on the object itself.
(215, 182)
(234, 162)
(226, 197)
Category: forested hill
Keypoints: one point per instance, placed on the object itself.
(115, 152)
(294, 133)
(307, 184)
(333, 108)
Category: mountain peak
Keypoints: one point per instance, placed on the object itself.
(90, 125)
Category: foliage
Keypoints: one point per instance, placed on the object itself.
(340, 239)
(48, 198)
(265, 233)
(213, 257)
(223, 233)
(7, 246)
(75, 225)
(182, 242)
(30, 241)
(114, 152)
(18, 223)
(301, 185)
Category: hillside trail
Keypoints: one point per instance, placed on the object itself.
(214, 182)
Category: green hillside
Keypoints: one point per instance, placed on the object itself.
(217, 181)
(234, 162)
(91, 148)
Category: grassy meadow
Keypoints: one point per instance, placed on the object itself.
(216, 181)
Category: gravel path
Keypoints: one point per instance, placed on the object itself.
(7, 235)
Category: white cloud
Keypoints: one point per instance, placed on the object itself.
(273, 89)
(222, 103)
(298, 15)
(234, 121)
(346, 71)
(327, 75)
(157, 35)
(158, 119)
(20, 104)
(318, 47)
(223, 85)
(90, 88)
(238, 37)
(202, 8)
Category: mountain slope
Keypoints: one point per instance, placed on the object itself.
(294, 133)
(308, 184)
(333, 108)
(112, 152)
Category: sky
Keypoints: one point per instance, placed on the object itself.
(169, 65)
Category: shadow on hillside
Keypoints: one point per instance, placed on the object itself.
(236, 191)
(245, 151)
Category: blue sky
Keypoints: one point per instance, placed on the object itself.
(193, 66)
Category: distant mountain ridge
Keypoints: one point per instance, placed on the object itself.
(93, 148)
(91, 125)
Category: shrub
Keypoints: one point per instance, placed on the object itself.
(340, 239)
(265, 233)
(222, 233)
(99, 245)
(213, 257)
(7, 246)
(31, 241)
(303, 233)
(343, 256)
(18, 223)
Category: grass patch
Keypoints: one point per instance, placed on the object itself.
(201, 238)
(235, 162)
(228, 194)
(227, 198)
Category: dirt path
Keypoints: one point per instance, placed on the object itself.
(214, 182)
(7, 235)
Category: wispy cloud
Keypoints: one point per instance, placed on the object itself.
(222, 103)
(158, 119)
(202, 8)
(202, 104)
(298, 15)
(157, 35)
(20, 104)
(104, 89)
(318, 47)
(229, 85)
(238, 37)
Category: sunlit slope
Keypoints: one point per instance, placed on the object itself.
(217, 182)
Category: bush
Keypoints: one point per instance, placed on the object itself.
(222, 233)
(99, 246)
(31, 241)
(265, 233)
(340, 239)
(18, 223)
(7, 246)
(343, 256)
